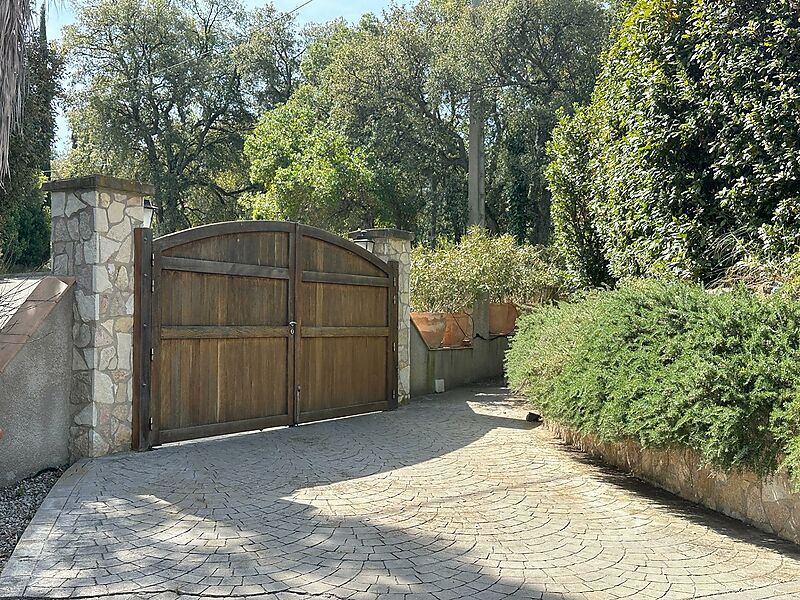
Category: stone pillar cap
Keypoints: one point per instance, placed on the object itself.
(397, 234)
(99, 182)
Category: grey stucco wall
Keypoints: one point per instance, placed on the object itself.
(34, 399)
(457, 366)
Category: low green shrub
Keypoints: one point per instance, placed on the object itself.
(453, 276)
(670, 364)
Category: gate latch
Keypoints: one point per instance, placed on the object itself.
(292, 326)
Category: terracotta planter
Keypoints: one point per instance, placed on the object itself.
(431, 327)
(458, 332)
(502, 318)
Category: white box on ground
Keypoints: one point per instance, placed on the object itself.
(439, 386)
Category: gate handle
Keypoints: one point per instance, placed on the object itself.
(292, 325)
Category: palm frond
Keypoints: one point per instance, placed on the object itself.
(15, 25)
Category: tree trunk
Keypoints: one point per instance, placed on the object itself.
(168, 191)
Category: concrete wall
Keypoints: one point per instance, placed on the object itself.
(457, 366)
(34, 398)
(768, 503)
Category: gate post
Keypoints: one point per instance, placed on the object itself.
(93, 222)
(389, 245)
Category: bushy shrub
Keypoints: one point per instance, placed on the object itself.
(453, 276)
(669, 364)
(689, 154)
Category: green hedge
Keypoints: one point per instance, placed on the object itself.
(669, 364)
(688, 156)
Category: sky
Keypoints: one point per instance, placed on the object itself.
(319, 11)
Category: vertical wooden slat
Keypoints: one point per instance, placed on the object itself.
(296, 260)
(142, 319)
(392, 350)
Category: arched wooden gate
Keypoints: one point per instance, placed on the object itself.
(255, 324)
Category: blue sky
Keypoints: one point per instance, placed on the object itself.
(61, 13)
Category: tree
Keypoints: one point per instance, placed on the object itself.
(166, 91)
(570, 176)
(15, 26)
(693, 138)
(24, 215)
(311, 173)
(398, 86)
(539, 57)
(392, 91)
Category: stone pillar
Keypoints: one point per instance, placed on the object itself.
(92, 237)
(395, 244)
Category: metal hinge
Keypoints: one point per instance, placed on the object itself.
(152, 286)
(394, 394)
(151, 423)
(152, 260)
(152, 354)
(394, 347)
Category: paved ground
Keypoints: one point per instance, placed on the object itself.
(456, 497)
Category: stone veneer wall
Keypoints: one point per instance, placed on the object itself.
(93, 219)
(394, 244)
(768, 503)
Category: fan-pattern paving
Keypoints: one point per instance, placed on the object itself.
(446, 498)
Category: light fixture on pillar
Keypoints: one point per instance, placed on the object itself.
(361, 239)
(149, 211)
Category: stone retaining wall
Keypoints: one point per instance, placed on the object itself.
(766, 503)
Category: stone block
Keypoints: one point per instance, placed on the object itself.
(73, 204)
(116, 212)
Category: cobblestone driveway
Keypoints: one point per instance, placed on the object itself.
(455, 497)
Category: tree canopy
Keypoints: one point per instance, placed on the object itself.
(395, 89)
(347, 125)
(166, 91)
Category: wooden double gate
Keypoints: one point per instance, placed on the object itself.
(247, 325)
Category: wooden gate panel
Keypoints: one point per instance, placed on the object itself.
(321, 256)
(342, 376)
(214, 386)
(258, 324)
(258, 248)
(345, 334)
(223, 351)
(195, 299)
(335, 305)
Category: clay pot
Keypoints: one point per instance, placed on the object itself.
(458, 330)
(502, 318)
(431, 327)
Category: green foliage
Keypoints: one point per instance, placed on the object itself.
(453, 276)
(384, 107)
(570, 176)
(24, 217)
(689, 155)
(668, 364)
(539, 56)
(165, 91)
(310, 172)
